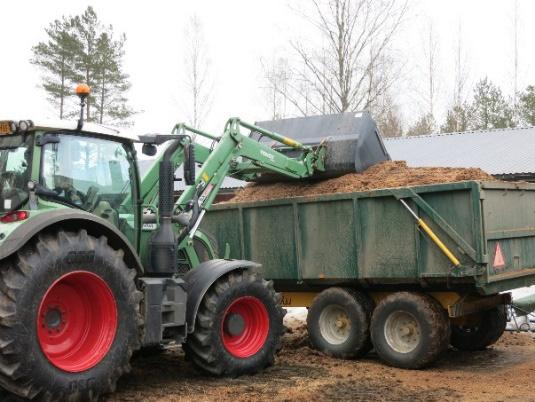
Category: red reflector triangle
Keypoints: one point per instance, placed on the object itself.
(499, 261)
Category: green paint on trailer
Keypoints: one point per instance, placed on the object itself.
(369, 238)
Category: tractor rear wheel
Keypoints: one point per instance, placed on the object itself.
(482, 330)
(338, 322)
(69, 316)
(238, 326)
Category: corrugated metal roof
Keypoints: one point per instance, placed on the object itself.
(500, 151)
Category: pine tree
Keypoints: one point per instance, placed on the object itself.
(489, 108)
(90, 54)
(86, 27)
(424, 125)
(100, 62)
(458, 119)
(527, 106)
(55, 58)
(111, 82)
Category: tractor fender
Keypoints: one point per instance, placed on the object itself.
(68, 219)
(201, 278)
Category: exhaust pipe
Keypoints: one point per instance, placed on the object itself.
(163, 242)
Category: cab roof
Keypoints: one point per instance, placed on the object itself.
(49, 125)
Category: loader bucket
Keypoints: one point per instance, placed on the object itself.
(352, 141)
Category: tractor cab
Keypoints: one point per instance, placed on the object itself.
(92, 170)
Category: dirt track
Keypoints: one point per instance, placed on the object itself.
(503, 372)
(388, 174)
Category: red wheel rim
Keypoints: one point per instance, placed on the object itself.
(77, 321)
(253, 329)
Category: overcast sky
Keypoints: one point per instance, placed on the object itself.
(241, 32)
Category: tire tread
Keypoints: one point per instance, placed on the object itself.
(13, 277)
(200, 348)
(426, 307)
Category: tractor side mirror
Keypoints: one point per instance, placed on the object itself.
(189, 164)
(149, 149)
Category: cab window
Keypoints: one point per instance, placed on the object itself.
(92, 174)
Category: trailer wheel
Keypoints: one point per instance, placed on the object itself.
(238, 327)
(338, 322)
(483, 329)
(410, 330)
(69, 316)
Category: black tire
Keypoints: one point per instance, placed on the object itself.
(338, 323)
(410, 330)
(205, 347)
(203, 251)
(25, 283)
(485, 329)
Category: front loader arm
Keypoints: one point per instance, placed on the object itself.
(261, 159)
(256, 159)
(239, 156)
(234, 154)
(149, 183)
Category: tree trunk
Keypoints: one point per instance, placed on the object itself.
(88, 99)
(102, 96)
(62, 95)
(87, 77)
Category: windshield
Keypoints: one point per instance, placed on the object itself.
(93, 174)
(15, 158)
(85, 171)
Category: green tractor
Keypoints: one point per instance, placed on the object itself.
(96, 262)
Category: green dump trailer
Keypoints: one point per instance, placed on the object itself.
(373, 276)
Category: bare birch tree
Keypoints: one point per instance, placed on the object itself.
(352, 68)
(461, 70)
(277, 76)
(199, 86)
(428, 93)
(459, 114)
(388, 117)
(515, 26)
(430, 51)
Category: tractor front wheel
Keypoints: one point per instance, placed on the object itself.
(238, 326)
(69, 318)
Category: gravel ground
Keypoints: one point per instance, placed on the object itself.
(505, 371)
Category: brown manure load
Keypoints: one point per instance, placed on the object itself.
(389, 174)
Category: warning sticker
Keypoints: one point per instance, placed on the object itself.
(499, 261)
(205, 193)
